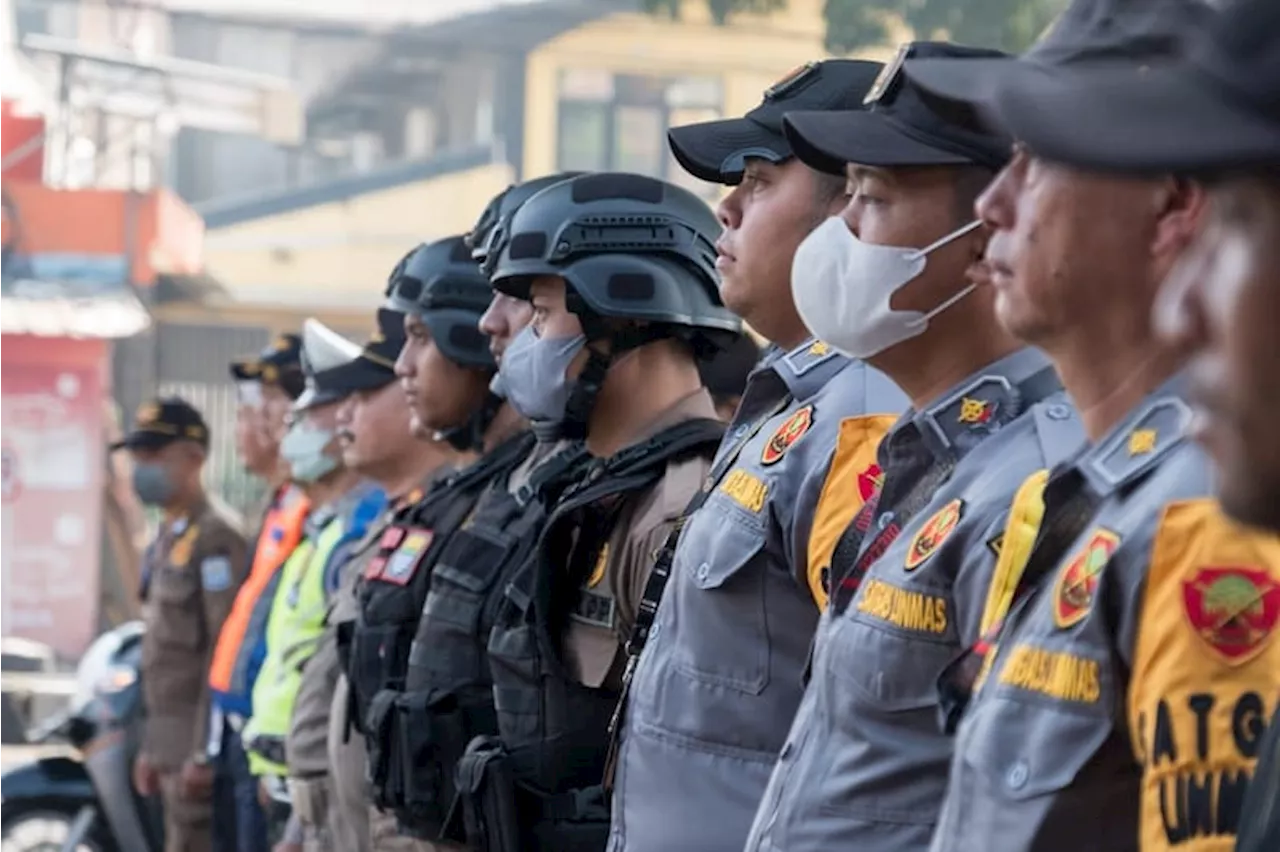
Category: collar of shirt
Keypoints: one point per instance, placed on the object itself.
(1140, 441)
(972, 410)
(801, 372)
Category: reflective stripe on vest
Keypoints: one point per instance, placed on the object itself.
(281, 532)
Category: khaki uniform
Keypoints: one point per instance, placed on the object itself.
(198, 565)
(606, 609)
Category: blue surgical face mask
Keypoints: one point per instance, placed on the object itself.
(303, 449)
(152, 483)
(533, 374)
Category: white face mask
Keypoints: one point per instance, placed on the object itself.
(303, 449)
(842, 287)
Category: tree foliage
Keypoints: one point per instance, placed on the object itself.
(851, 24)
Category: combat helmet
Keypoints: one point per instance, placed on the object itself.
(494, 226)
(628, 247)
(439, 283)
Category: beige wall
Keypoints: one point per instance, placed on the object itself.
(748, 55)
(337, 255)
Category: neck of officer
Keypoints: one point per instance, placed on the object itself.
(400, 475)
(332, 486)
(186, 503)
(640, 387)
(959, 342)
(1106, 390)
(505, 423)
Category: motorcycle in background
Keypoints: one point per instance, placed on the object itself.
(87, 802)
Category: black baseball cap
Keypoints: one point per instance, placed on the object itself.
(160, 422)
(1086, 34)
(279, 364)
(1213, 109)
(375, 366)
(899, 126)
(717, 151)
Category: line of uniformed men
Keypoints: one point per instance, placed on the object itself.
(1012, 617)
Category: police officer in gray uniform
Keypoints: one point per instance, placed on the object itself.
(714, 694)
(865, 764)
(1123, 704)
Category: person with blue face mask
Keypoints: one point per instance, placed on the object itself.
(619, 273)
(343, 503)
(192, 572)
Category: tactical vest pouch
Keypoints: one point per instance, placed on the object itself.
(487, 788)
(379, 656)
(384, 772)
(433, 731)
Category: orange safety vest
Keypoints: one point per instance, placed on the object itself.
(281, 532)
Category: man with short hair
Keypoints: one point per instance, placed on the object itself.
(1121, 706)
(713, 697)
(196, 565)
(865, 763)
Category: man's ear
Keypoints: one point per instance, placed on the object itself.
(1181, 205)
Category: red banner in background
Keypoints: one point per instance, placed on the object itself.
(21, 144)
(51, 412)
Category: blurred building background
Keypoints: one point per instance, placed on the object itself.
(183, 179)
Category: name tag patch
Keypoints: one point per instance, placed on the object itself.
(403, 564)
(1057, 674)
(746, 489)
(903, 608)
(595, 609)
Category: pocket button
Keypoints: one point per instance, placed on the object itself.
(1017, 775)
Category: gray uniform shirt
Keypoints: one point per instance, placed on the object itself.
(1125, 701)
(865, 763)
(719, 679)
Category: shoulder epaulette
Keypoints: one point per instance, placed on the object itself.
(804, 359)
(1059, 430)
(1161, 426)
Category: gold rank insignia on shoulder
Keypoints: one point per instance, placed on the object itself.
(931, 536)
(1142, 441)
(973, 411)
(1077, 582)
(786, 435)
(1233, 609)
(888, 76)
(790, 80)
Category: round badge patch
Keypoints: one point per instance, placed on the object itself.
(1077, 582)
(1233, 609)
(870, 481)
(785, 436)
(935, 531)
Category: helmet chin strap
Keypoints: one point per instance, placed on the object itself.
(470, 435)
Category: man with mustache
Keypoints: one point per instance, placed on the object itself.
(1122, 704)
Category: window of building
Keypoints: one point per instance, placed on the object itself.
(619, 122)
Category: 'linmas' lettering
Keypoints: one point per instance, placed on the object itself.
(1202, 804)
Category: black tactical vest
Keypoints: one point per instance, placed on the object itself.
(536, 786)
(396, 579)
(448, 696)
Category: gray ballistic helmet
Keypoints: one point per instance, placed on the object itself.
(440, 283)
(628, 247)
(494, 225)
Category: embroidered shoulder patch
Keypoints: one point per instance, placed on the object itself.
(1158, 429)
(786, 435)
(403, 564)
(935, 531)
(215, 573)
(1233, 609)
(1077, 581)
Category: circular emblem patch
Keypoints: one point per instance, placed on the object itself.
(784, 437)
(1233, 609)
(1078, 580)
(935, 531)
